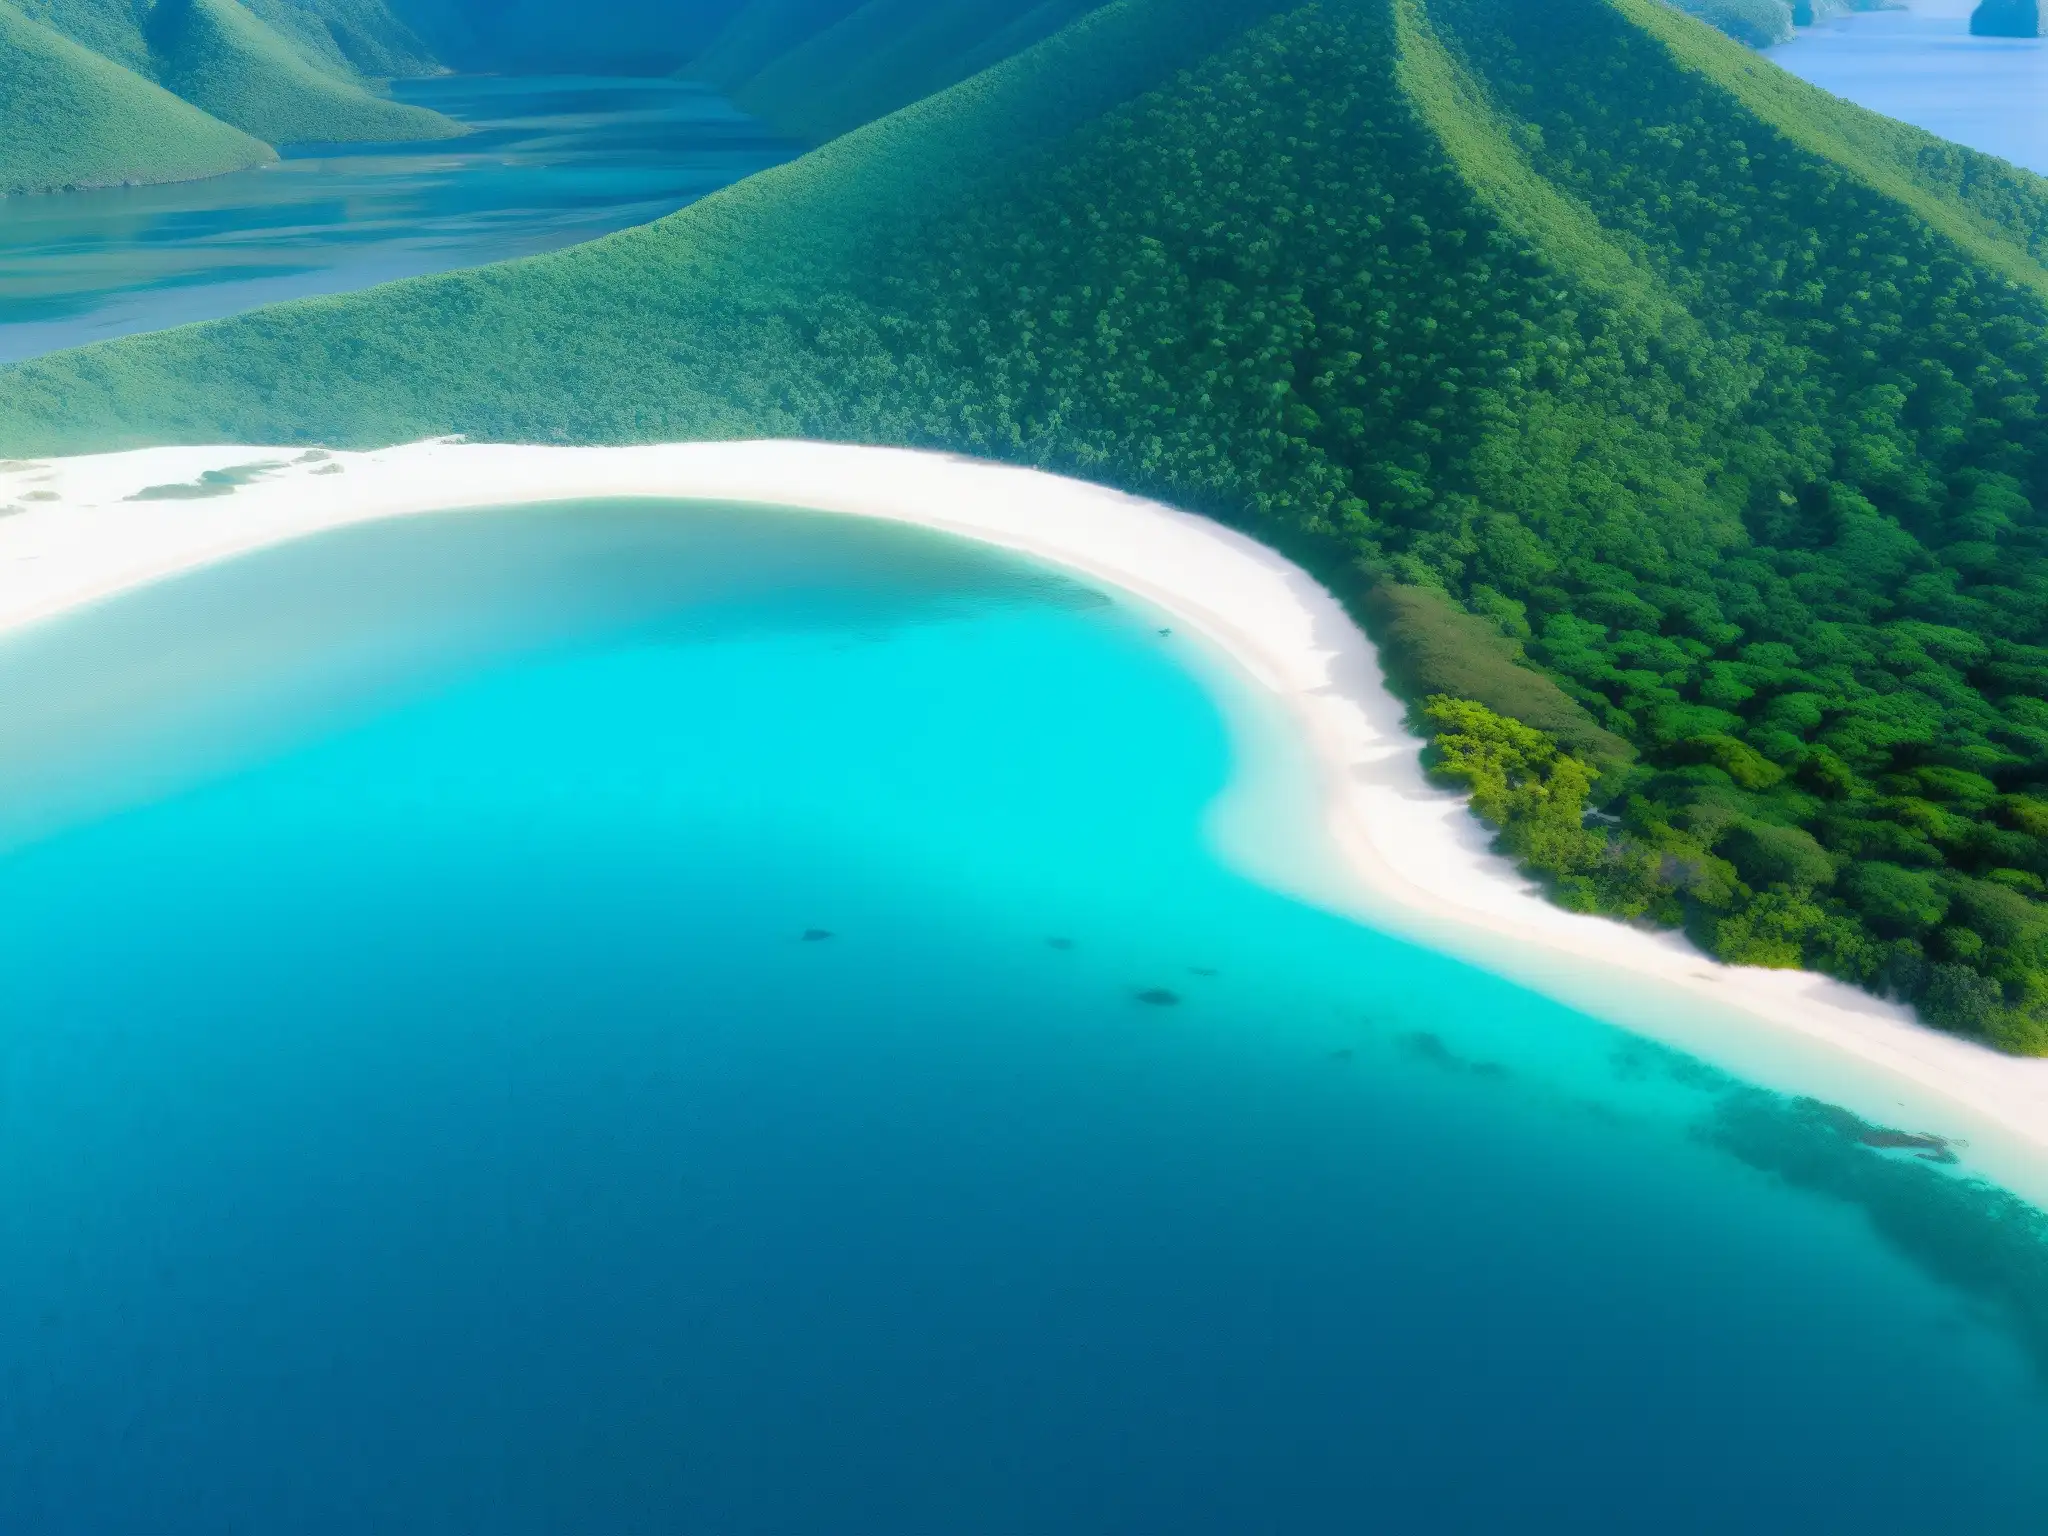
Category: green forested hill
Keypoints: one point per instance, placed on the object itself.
(351, 37)
(761, 32)
(1631, 388)
(71, 118)
(815, 68)
(218, 55)
(87, 80)
(111, 28)
(360, 37)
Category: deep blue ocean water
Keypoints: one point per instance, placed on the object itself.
(549, 161)
(649, 1020)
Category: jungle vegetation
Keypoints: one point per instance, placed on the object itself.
(302, 70)
(103, 92)
(816, 68)
(72, 118)
(363, 36)
(219, 56)
(1678, 428)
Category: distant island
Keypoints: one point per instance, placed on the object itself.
(2006, 18)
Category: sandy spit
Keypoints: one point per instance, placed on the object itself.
(1401, 853)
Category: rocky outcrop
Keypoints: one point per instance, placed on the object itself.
(2006, 18)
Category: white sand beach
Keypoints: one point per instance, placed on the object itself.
(1412, 860)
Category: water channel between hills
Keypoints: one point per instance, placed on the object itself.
(550, 162)
(556, 161)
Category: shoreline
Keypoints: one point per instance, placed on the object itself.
(1408, 857)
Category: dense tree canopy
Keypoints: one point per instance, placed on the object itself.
(99, 93)
(70, 117)
(1633, 390)
(815, 68)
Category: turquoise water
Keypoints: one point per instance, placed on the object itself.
(549, 162)
(1919, 64)
(633, 1019)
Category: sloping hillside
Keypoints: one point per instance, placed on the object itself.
(300, 79)
(218, 55)
(351, 37)
(363, 38)
(816, 68)
(1635, 389)
(71, 118)
(112, 28)
(761, 32)
(637, 37)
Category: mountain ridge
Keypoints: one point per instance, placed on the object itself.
(836, 68)
(1549, 320)
(274, 70)
(71, 118)
(221, 57)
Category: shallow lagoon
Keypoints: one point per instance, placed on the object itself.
(550, 161)
(643, 1020)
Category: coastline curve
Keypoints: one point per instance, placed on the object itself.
(1408, 858)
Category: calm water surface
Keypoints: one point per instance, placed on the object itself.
(638, 1020)
(551, 162)
(1921, 66)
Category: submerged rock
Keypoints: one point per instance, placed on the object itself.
(2006, 18)
(1429, 1048)
(1885, 1138)
(1926, 1146)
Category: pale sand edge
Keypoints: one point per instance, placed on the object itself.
(1419, 864)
